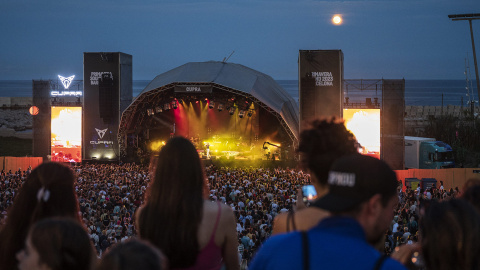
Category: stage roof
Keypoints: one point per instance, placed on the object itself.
(237, 77)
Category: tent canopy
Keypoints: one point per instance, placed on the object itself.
(238, 77)
(228, 77)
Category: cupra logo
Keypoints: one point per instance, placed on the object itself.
(101, 132)
(66, 81)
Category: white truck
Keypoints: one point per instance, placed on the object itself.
(427, 153)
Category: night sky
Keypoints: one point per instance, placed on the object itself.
(411, 39)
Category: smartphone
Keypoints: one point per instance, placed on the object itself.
(309, 193)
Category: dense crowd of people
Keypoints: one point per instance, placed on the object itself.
(110, 194)
(182, 215)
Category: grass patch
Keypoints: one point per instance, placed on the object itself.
(15, 147)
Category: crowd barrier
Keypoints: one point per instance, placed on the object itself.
(22, 163)
(451, 178)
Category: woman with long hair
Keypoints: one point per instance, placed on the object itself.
(450, 235)
(57, 244)
(47, 192)
(191, 231)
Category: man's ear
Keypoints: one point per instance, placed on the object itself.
(373, 206)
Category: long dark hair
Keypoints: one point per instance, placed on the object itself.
(451, 235)
(47, 192)
(63, 243)
(174, 203)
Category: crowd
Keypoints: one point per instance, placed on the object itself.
(110, 194)
(170, 217)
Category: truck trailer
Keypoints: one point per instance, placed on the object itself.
(427, 153)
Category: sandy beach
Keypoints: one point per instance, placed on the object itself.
(16, 123)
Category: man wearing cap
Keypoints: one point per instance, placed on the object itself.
(361, 199)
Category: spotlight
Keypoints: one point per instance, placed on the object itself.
(231, 110)
(241, 113)
(150, 112)
(166, 106)
(211, 105)
(174, 104)
(220, 107)
(158, 109)
(250, 113)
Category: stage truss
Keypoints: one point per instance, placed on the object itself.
(135, 117)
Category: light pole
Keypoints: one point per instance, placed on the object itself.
(469, 18)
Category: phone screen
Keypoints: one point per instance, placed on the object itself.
(309, 193)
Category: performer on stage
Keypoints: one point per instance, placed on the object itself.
(207, 146)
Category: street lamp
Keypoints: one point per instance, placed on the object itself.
(469, 18)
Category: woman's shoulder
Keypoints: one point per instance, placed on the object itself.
(281, 217)
(213, 207)
(304, 219)
(280, 223)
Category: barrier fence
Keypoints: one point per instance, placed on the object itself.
(16, 163)
(451, 178)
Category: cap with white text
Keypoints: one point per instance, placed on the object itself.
(354, 179)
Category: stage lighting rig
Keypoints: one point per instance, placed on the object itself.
(231, 111)
(220, 107)
(158, 109)
(211, 105)
(241, 113)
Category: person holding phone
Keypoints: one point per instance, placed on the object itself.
(361, 200)
(320, 145)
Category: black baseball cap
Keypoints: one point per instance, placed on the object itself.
(354, 179)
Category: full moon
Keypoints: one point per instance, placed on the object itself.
(337, 19)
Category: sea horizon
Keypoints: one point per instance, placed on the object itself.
(429, 92)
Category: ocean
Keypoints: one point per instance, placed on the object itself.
(417, 92)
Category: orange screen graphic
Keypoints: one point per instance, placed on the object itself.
(365, 125)
(66, 134)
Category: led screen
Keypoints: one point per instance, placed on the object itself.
(365, 125)
(66, 134)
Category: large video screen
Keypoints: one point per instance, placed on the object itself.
(66, 134)
(365, 125)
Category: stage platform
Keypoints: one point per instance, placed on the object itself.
(223, 162)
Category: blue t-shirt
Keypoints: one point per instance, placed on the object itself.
(335, 243)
